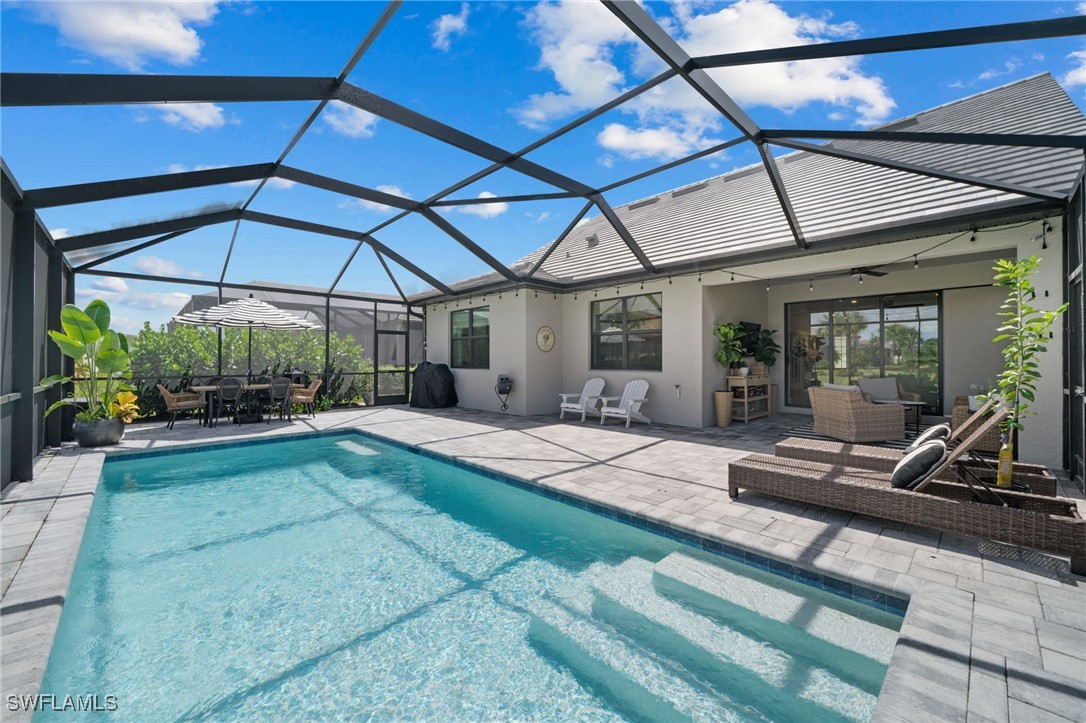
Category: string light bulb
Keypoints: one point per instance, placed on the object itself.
(1044, 234)
(699, 277)
(669, 280)
(916, 262)
(861, 278)
(767, 286)
(973, 237)
(733, 276)
(810, 285)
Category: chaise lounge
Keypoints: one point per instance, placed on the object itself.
(1043, 523)
(884, 459)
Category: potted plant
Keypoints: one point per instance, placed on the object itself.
(1025, 332)
(102, 368)
(765, 352)
(728, 353)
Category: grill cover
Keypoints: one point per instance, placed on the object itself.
(432, 387)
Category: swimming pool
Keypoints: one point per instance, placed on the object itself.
(338, 576)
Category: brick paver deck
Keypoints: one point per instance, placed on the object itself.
(992, 633)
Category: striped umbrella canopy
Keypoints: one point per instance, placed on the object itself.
(247, 313)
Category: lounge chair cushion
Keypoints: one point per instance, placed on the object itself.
(881, 388)
(939, 431)
(918, 464)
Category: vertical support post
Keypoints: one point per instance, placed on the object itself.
(218, 334)
(24, 353)
(67, 363)
(327, 352)
(53, 358)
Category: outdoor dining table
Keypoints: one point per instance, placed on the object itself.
(209, 396)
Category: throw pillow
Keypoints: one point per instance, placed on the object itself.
(882, 388)
(918, 464)
(939, 431)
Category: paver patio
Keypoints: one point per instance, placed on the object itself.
(992, 633)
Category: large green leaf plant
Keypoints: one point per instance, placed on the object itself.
(102, 364)
(1025, 331)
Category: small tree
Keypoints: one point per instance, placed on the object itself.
(1026, 333)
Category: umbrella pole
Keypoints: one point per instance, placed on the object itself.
(250, 377)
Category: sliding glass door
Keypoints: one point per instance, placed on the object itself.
(837, 341)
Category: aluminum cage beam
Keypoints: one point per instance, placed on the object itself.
(51, 89)
(1009, 32)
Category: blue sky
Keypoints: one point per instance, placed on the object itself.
(506, 72)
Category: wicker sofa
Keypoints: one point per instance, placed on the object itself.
(842, 413)
(1050, 524)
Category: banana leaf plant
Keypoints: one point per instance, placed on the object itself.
(102, 364)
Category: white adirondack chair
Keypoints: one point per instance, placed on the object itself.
(586, 401)
(629, 404)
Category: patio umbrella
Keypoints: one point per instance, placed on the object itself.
(246, 313)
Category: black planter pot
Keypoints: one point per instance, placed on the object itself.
(99, 433)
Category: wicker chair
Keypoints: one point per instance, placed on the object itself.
(180, 402)
(1049, 524)
(306, 396)
(961, 413)
(845, 415)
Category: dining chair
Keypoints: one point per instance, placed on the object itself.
(279, 395)
(228, 397)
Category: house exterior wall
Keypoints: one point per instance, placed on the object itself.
(959, 268)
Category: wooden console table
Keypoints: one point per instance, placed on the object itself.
(751, 399)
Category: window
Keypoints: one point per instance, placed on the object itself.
(628, 333)
(840, 340)
(471, 338)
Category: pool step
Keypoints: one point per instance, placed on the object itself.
(753, 671)
(636, 684)
(811, 622)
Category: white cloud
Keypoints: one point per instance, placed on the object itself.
(156, 266)
(373, 205)
(1077, 74)
(658, 143)
(148, 300)
(579, 43)
(58, 233)
(193, 116)
(576, 41)
(1009, 67)
(449, 25)
(130, 34)
(109, 283)
(349, 121)
(539, 217)
(485, 210)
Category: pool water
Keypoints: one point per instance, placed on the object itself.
(340, 577)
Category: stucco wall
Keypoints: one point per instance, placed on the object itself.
(475, 387)
(682, 364)
(959, 268)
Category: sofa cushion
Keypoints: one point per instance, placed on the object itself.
(939, 431)
(882, 388)
(918, 464)
(841, 387)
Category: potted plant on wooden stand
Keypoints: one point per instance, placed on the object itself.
(729, 351)
(1025, 332)
(102, 368)
(765, 352)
